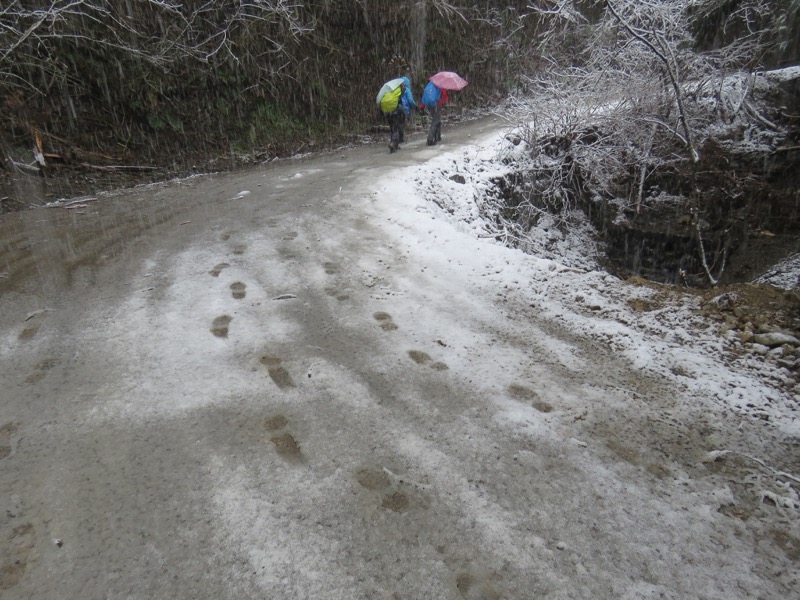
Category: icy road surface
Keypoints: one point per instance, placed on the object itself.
(307, 381)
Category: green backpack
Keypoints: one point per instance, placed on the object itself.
(390, 101)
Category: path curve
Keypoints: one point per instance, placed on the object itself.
(262, 385)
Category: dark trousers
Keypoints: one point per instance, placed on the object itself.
(397, 126)
(435, 131)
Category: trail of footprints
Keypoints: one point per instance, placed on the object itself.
(279, 375)
(220, 325)
(391, 491)
(277, 372)
(394, 494)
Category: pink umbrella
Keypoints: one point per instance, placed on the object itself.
(447, 80)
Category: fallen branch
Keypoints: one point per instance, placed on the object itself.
(753, 112)
(79, 201)
(74, 152)
(23, 167)
(114, 168)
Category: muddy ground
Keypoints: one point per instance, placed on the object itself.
(254, 385)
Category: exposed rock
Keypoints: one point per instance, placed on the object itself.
(458, 178)
(775, 338)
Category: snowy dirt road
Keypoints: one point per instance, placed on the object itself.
(302, 382)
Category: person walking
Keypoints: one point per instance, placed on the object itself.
(397, 106)
(433, 98)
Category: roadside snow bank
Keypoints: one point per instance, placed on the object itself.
(658, 329)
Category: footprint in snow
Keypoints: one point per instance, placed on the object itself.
(238, 290)
(334, 293)
(525, 394)
(423, 358)
(285, 444)
(218, 269)
(219, 327)
(385, 320)
(277, 372)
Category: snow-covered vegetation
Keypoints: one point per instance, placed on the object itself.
(678, 153)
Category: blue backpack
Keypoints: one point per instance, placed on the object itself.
(431, 95)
